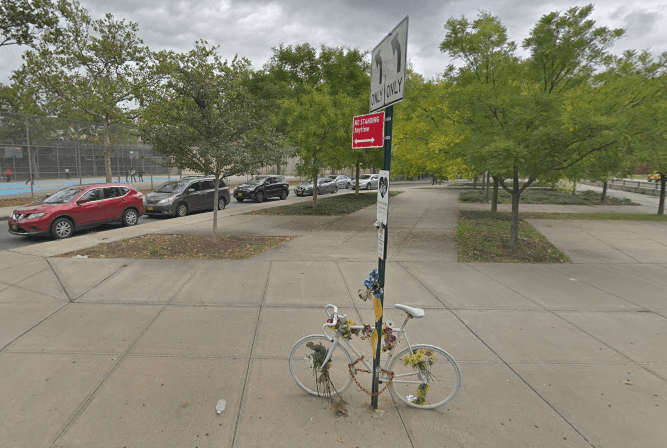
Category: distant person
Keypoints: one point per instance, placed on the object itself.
(127, 176)
(8, 174)
(133, 178)
(141, 175)
(67, 173)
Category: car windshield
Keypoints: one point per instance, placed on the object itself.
(63, 196)
(172, 187)
(256, 180)
(364, 176)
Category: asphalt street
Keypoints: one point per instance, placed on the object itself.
(9, 241)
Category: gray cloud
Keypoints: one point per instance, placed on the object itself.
(250, 28)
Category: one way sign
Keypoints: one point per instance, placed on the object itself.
(388, 68)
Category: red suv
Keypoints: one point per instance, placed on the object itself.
(77, 208)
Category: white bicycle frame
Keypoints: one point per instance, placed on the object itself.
(399, 332)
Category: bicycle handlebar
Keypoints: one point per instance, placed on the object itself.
(334, 319)
(335, 310)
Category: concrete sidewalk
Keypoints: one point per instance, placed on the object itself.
(136, 353)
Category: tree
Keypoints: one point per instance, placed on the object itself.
(294, 71)
(528, 119)
(22, 21)
(200, 115)
(318, 122)
(646, 77)
(92, 69)
(423, 134)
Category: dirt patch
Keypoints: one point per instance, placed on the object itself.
(199, 247)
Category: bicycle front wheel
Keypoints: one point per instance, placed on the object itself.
(431, 383)
(303, 367)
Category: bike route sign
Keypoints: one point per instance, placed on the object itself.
(388, 62)
(368, 131)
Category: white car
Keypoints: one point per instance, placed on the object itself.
(368, 181)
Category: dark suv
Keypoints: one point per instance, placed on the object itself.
(178, 197)
(261, 187)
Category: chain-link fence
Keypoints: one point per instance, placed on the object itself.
(55, 148)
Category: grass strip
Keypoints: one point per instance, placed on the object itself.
(547, 196)
(483, 237)
(327, 206)
(594, 216)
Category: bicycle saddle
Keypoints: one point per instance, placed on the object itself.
(414, 312)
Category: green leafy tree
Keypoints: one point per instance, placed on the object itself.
(528, 119)
(22, 21)
(317, 122)
(423, 133)
(91, 69)
(201, 116)
(294, 71)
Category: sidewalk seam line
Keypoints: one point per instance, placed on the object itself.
(252, 349)
(570, 424)
(119, 359)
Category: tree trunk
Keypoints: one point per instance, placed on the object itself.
(661, 203)
(514, 230)
(278, 169)
(488, 178)
(604, 192)
(315, 191)
(474, 183)
(494, 196)
(216, 195)
(356, 188)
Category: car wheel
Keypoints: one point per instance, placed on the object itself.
(348, 186)
(336, 189)
(260, 197)
(221, 203)
(239, 199)
(130, 217)
(368, 186)
(284, 194)
(182, 209)
(318, 191)
(61, 228)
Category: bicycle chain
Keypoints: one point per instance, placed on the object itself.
(386, 372)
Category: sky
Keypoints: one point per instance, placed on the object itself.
(250, 28)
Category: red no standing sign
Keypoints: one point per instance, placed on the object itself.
(368, 131)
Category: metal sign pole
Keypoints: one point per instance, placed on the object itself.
(382, 262)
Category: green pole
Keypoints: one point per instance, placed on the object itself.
(388, 118)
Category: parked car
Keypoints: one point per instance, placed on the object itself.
(368, 181)
(341, 180)
(76, 208)
(324, 185)
(261, 187)
(178, 197)
(653, 176)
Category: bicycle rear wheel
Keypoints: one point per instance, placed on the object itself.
(428, 388)
(303, 369)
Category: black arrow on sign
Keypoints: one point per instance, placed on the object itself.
(378, 63)
(396, 48)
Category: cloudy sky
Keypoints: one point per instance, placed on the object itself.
(250, 28)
